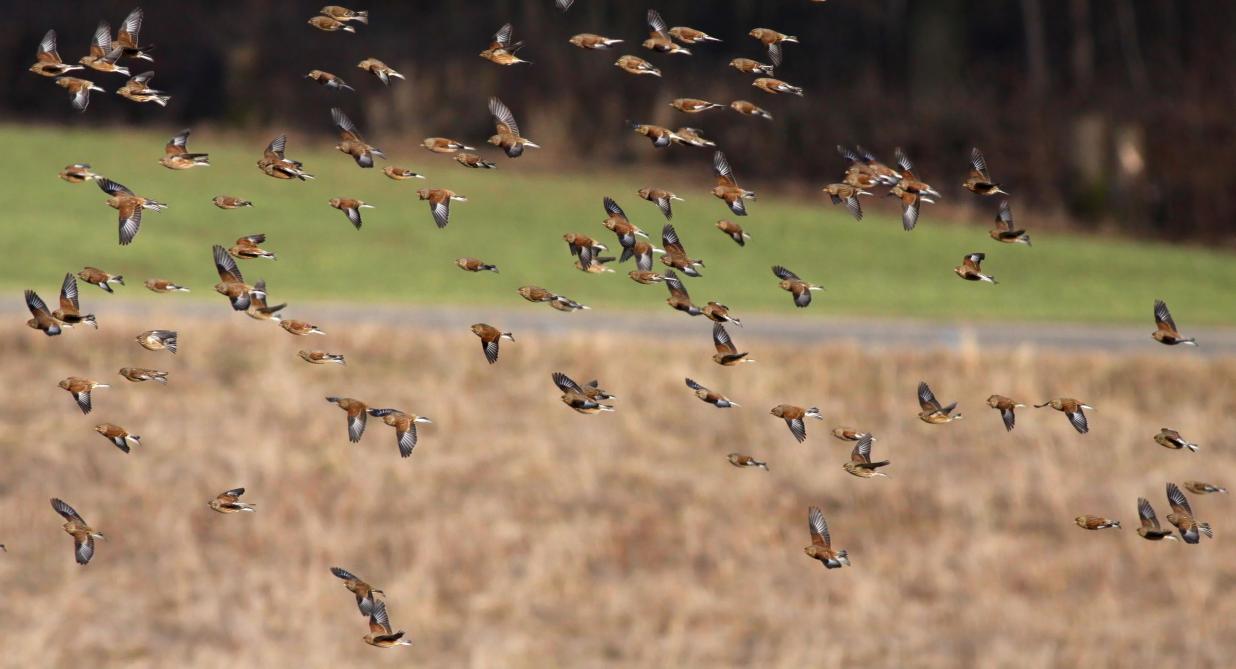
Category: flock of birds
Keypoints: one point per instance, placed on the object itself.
(864, 173)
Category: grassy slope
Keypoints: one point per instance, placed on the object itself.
(868, 268)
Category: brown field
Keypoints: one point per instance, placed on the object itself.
(521, 534)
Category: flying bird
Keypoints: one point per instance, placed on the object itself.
(230, 202)
(176, 154)
(507, 137)
(734, 231)
(970, 269)
(637, 66)
(727, 188)
(379, 69)
(300, 328)
(400, 173)
(129, 208)
(357, 411)
(78, 173)
(1096, 522)
(773, 40)
(679, 299)
(351, 207)
(79, 91)
(577, 398)
(776, 86)
(821, 547)
(1201, 488)
(979, 180)
(659, 39)
(1071, 408)
(47, 60)
(76, 527)
(748, 66)
(1006, 406)
(794, 417)
(490, 336)
(501, 50)
(229, 502)
(344, 14)
(140, 374)
(860, 463)
(328, 80)
(591, 41)
(97, 277)
(727, 354)
(1150, 528)
(158, 340)
(911, 191)
(661, 137)
(275, 164)
(42, 320)
(137, 89)
(405, 427)
(849, 195)
(675, 255)
(350, 141)
(231, 283)
(164, 286)
(1005, 231)
(1169, 438)
(931, 410)
(120, 437)
(801, 290)
(740, 460)
(364, 592)
(321, 357)
(380, 634)
(711, 396)
(69, 313)
(662, 198)
(1182, 517)
(1167, 332)
(247, 248)
(80, 389)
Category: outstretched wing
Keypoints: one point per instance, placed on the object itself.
(721, 340)
(721, 167)
(818, 527)
(1163, 317)
(566, 384)
(784, 274)
(503, 116)
(927, 399)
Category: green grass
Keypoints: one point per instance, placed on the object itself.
(516, 219)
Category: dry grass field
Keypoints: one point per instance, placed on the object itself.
(521, 534)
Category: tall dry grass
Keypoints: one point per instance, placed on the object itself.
(521, 534)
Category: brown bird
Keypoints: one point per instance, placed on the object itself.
(331, 81)
(1150, 523)
(139, 374)
(1169, 438)
(400, 173)
(80, 389)
(129, 207)
(43, 319)
(475, 265)
(776, 86)
(734, 231)
(727, 354)
(1006, 407)
(692, 136)
(616, 221)
(1182, 517)
(559, 302)
(691, 35)
(850, 434)
(300, 328)
(247, 248)
(444, 145)
(474, 161)
(596, 264)
(719, 313)
(863, 162)
(659, 39)
(794, 418)
(275, 164)
(138, 90)
(231, 284)
(507, 137)
(165, 286)
(801, 290)
(405, 427)
(158, 340)
(1201, 488)
(364, 592)
(849, 195)
(910, 191)
(176, 154)
(661, 137)
(1004, 230)
(501, 50)
(490, 336)
(748, 66)
(321, 357)
(229, 502)
(379, 69)
(727, 188)
(979, 180)
(119, 436)
(351, 207)
(380, 634)
(860, 463)
(47, 60)
(970, 269)
(740, 460)
(773, 41)
(577, 398)
(662, 198)
(591, 41)
(127, 37)
(1072, 409)
(821, 547)
(258, 309)
(694, 105)
(97, 277)
(357, 412)
(440, 203)
(1096, 523)
(103, 54)
(79, 91)
(711, 396)
(678, 300)
(69, 313)
(636, 65)
(230, 202)
(675, 255)
(583, 247)
(329, 24)
(932, 412)
(1167, 332)
(78, 173)
(344, 14)
(350, 141)
(643, 253)
(76, 527)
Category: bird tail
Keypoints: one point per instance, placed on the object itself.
(137, 438)
(843, 557)
(507, 335)
(89, 318)
(490, 268)
(349, 29)
(790, 38)
(1191, 447)
(118, 279)
(813, 412)
(336, 358)
(160, 377)
(1204, 528)
(1191, 341)
(362, 17)
(761, 465)
(162, 100)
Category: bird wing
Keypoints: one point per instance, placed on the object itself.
(1004, 218)
(657, 24)
(502, 38)
(1163, 317)
(274, 150)
(979, 164)
(818, 527)
(1146, 513)
(226, 266)
(112, 188)
(612, 208)
(862, 451)
(675, 286)
(47, 49)
(1177, 499)
(130, 222)
(927, 399)
(669, 239)
(346, 127)
(68, 294)
(566, 383)
(68, 512)
(694, 386)
(178, 144)
(721, 167)
(903, 161)
(503, 118)
(784, 274)
(721, 340)
(36, 305)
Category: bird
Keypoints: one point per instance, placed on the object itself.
(97, 277)
(662, 198)
(344, 14)
(637, 66)
(474, 161)
(78, 173)
(970, 268)
(616, 221)
(748, 66)
(229, 502)
(1004, 230)
(794, 418)
(258, 309)
(776, 86)
(1201, 488)
(727, 188)
(79, 91)
(911, 191)
(849, 195)
(1096, 523)
(773, 40)
(1182, 517)
(231, 283)
(47, 60)
(719, 313)
(42, 320)
(538, 294)
(140, 374)
(693, 137)
(583, 247)
(1149, 528)
(69, 313)
(127, 37)
(591, 41)
(328, 80)
(850, 434)
(321, 357)
(380, 634)
(577, 398)
(351, 207)
(860, 463)
(1169, 438)
(596, 264)
(501, 50)
(507, 137)
(129, 208)
(400, 173)
(350, 141)
(138, 90)
(691, 35)
(710, 396)
(357, 412)
(164, 286)
(679, 299)
(1073, 409)
(661, 137)
(300, 328)
(659, 39)
(405, 427)
(490, 336)
(643, 253)
(76, 527)
(440, 203)
(979, 180)
(727, 354)
(821, 547)
(103, 57)
(176, 154)
(379, 69)
(364, 592)
(694, 105)
(1166, 332)
(80, 389)
(247, 248)
(444, 145)
(734, 231)
(801, 290)
(119, 436)
(230, 202)
(475, 265)
(158, 340)
(1006, 407)
(275, 164)
(330, 24)
(740, 460)
(675, 255)
(864, 162)
(931, 411)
